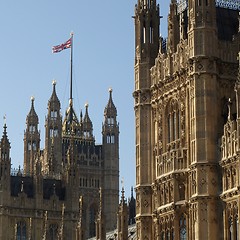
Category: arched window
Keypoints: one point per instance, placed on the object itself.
(21, 230)
(168, 234)
(29, 146)
(92, 219)
(163, 236)
(53, 114)
(181, 187)
(144, 32)
(182, 228)
(53, 232)
(236, 226)
(110, 120)
(108, 138)
(112, 138)
(173, 121)
(230, 228)
(151, 32)
(34, 146)
(32, 128)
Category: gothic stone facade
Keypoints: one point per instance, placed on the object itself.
(187, 118)
(57, 195)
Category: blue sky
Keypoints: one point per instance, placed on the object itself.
(103, 57)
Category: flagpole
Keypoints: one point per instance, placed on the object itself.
(71, 70)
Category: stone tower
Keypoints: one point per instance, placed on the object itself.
(53, 135)
(31, 140)
(123, 216)
(182, 86)
(110, 141)
(71, 166)
(146, 50)
(5, 178)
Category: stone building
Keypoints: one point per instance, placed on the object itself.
(187, 118)
(57, 194)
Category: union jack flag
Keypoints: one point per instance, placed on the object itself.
(59, 48)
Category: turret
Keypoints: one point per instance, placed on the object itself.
(173, 28)
(70, 122)
(110, 129)
(31, 140)
(146, 31)
(122, 218)
(100, 222)
(202, 28)
(87, 125)
(5, 160)
(132, 209)
(147, 23)
(53, 135)
(110, 136)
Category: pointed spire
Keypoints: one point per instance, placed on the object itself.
(32, 111)
(54, 97)
(5, 144)
(81, 116)
(86, 118)
(32, 115)
(110, 109)
(122, 197)
(87, 123)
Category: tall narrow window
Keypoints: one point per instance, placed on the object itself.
(168, 235)
(92, 219)
(110, 120)
(29, 146)
(173, 121)
(21, 231)
(53, 232)
(236, 224)
(108, 138)
(53, 114)
(151, 33)
(178, 125)
(182, 228)
(230, 229)
(169, 128)
(34, 146)
(112, 138)
(144, 32)
(163, 236)
(174, 125)
(32, 128)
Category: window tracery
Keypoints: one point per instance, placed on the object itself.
(173, 121)
(183, 228)
(21, 230)
(53, 232)
(92, 218)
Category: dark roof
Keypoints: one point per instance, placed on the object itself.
(227, 23)
(26, 184)
(52, 185)
(19, 182)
